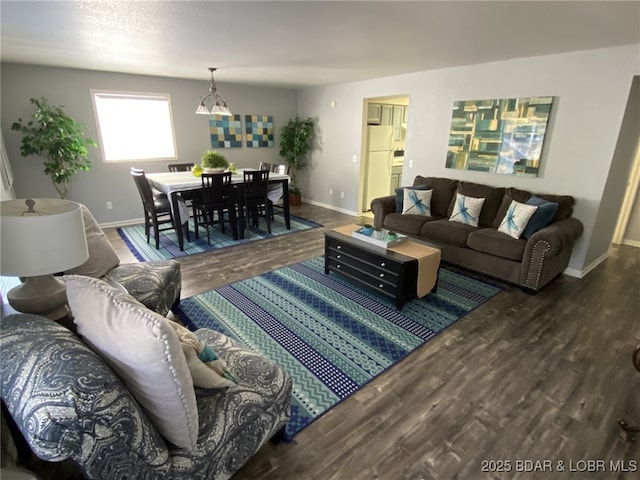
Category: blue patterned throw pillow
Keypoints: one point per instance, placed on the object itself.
(417, 202)
(467, 210)
(516, 218)
(542, 216)
(400, 195)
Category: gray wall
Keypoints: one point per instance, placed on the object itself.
(111, 182)
(591, 90)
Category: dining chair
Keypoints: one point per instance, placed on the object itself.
(180, 167)
(157, 209)
(217, 198)
(255, 200)
(275, 191)
(265, 166)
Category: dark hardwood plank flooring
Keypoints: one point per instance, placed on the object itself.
(522, 378)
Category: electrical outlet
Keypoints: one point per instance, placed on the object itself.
(341, 194)
(354, 159)
(109, 205)
(331, 191)
(410, 163)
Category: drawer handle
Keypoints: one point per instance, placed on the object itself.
(380, 286)
(382, 275)
(338, 266)
(383, 264)
(338, 256)
(339, 247)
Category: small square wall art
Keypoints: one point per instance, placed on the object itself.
(259, 130)
(226, 131)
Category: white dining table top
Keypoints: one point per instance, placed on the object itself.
(168, 182)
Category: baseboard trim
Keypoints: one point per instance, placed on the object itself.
(631, 243)
(572, 272)
(330, 207)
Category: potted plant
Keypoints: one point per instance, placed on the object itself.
(58, 138)
(213, 162)
(295, 143)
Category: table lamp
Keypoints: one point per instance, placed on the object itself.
(41, 237)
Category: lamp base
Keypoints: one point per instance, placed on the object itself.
(42, 295)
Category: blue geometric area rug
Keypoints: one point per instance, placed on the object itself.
(136, 240)
(330, 335)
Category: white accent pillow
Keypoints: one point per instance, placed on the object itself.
(144, 351)
(516, 219)
(467, 210)
(102, 257)
(417, 202)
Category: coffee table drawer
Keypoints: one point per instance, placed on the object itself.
(374, 261)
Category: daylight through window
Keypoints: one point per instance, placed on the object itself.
(134, 126)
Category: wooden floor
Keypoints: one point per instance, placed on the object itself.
(524, 378)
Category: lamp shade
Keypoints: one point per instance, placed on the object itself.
(41, 236)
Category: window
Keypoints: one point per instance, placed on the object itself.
(134, 126)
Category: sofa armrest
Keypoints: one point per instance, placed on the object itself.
(382, 207)
(156, 285)
(68, 403)
(547, 252)
(558, 235)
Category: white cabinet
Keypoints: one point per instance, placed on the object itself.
(398, 121)
(386, 117)
(396, 179)
(374, 110)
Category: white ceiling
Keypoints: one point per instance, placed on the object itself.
(303, 43)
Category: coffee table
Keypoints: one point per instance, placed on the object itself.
(389, 273)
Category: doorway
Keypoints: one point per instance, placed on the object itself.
(385, 121)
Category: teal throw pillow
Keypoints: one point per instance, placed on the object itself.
(400, 195)
(541, 217)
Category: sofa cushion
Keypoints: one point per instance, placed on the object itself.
(102, 256)
(493, 242)
(400, 195)
(493, 197)
(417, 202)
(446, 232)
(541, 217)
(144, 351)
(410, 224)
(443, 190)
(467, 210)
(517, 218)
(565, 203)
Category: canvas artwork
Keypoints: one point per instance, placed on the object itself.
(503, 135)
(226, 131)
(259, 130)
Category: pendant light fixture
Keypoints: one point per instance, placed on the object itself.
(219, 104)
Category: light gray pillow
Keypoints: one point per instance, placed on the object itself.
(144, 351)
(102, 257)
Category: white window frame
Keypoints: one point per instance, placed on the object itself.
(128, 126)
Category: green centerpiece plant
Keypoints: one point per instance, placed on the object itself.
(214, 160)
(58, 138)
(295, 143)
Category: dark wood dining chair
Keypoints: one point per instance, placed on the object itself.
(275, 191)
(157, 209)
(180, 167)
(255, 200)
(265, 166)
(218, 198)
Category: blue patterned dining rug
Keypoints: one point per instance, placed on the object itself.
(330, 335)
(136, 240)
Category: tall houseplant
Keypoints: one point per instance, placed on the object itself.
(295, 142)
(58, 138)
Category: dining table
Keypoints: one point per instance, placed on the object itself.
(186, 186)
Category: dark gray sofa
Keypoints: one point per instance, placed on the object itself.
(527, 262)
